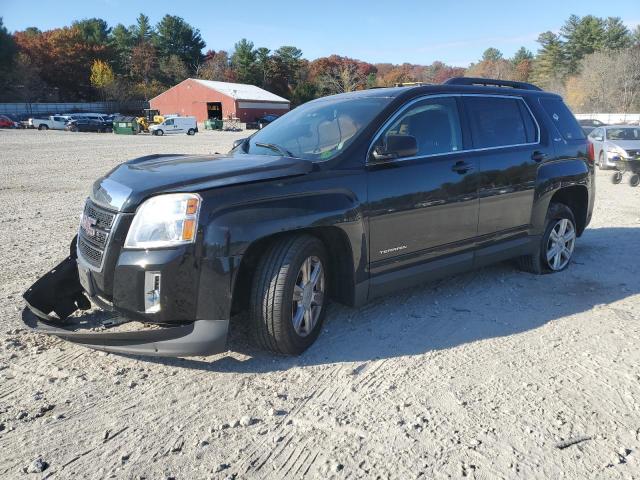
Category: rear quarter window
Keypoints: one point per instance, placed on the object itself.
(562, 118)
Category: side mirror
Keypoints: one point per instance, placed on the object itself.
(396, 146)
(238, 142)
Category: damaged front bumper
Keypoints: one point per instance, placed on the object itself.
(58, 294)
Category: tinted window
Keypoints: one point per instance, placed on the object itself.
(434, 123)
(562, 118)
(498, 122)
(169, 122)
(529, 124)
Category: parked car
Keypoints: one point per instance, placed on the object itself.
(266, 120)
(346, 197)
(589, 124)
(89, 125)
(53, 122)
(17, 120)
(172, 124)
(6, 122)
(611, 143)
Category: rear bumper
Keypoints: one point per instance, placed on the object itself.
(58, 294)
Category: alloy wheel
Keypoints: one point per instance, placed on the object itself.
(308, 296)
(561, 243)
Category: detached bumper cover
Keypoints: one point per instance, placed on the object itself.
(59, 292)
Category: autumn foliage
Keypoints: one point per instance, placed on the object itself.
(591, 60)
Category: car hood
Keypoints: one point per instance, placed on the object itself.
(127, 185)
(625, 144)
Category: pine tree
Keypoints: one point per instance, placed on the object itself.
(582, 36)
(243, 61)
(549, 64)
(616, 35)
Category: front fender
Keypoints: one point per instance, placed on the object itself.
(238, 227)
(230, 232)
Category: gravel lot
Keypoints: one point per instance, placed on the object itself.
(483, 375)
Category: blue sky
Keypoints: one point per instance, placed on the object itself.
(456, 32)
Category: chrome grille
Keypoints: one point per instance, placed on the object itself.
(93, 236)
(90, 253)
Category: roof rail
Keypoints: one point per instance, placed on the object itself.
(491, 82)
(410, 84)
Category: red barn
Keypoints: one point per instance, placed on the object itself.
(206, 99)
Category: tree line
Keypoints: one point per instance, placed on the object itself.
(594, 62)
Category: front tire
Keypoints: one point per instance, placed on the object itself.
(158, 133)
(557, 244)
(601, 161)
(289, 295)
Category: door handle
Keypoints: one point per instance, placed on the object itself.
(538, 156)
(461, 167)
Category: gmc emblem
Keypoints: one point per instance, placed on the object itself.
(87, 224)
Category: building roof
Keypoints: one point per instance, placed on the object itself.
(240, 91)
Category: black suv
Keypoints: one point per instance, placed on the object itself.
(89, 125)
(346, 198)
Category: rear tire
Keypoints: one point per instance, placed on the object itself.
(634, 180)
(287, 308)
(43, 127)
(553, 254)
(191, 131)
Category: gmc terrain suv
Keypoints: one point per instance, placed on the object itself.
(347, 197)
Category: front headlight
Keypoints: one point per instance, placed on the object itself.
(613, 150)
(165, 221)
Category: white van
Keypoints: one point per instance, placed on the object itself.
(186, 125)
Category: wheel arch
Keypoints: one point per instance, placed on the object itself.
(342, 270)
(576, 197)
(570, 182)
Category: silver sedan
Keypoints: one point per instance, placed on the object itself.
(613, 143)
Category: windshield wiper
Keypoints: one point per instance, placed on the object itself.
(277, 148)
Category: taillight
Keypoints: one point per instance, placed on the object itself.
(591, 152)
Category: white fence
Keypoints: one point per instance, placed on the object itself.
(611, 118)
(69, 107)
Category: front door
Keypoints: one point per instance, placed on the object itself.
(424, 205)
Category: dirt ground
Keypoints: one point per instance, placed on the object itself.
(485, 375)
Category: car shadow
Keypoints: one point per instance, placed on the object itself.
(492, 302)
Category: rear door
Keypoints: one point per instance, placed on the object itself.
(506, 140)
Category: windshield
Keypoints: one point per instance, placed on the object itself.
(318, 130)
(623, 133)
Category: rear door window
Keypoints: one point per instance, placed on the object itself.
(562, 118)
(499, 122)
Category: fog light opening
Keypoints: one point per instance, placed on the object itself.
(151, 292)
